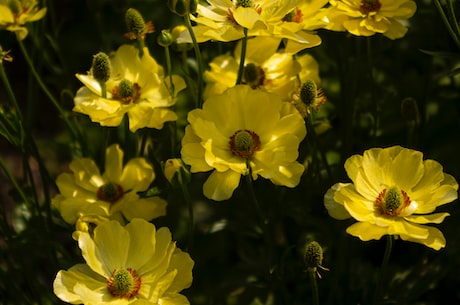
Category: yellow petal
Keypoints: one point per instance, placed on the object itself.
(142, 243)
(335, 209)
(113, 163)
(366, 231)
(435, 239)
(221, 185)
(145, 208)
(137, 175)
(430, 218)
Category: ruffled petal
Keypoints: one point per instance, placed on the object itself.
(367, 231)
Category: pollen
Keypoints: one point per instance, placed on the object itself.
(124, 283)
(110, 192)
(244, 143)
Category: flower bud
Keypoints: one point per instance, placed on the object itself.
(134, 22)
(313, 257)
(87, 224)
(165, 38)
(183, 7)
(174, 171)
(409, 110)
(101, 67)
(308, 92)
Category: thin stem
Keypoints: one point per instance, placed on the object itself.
(314, 287)
(10, 92)
(253, 196)
(169, 71)
(242, 56)
(446, 23)
(13, 181)
(199, 60)
(386, 258)
(189, 202)
(45, 89)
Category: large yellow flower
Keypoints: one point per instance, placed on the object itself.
(265, 68)
(394, 192)
(15, 14)
(224, 20)
(240, 127)
(368, 17)
(137, 87)
(113, 194)
(136, 264)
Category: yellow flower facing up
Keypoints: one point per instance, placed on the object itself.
(14, 14)
(112, 194)
(368, 17)
(224, 20)
(137, 87)
(265, 69)
(394, 192)
(135, 264)
(242, 127)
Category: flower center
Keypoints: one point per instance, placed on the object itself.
(243, 3)
(253, 75)
(369, 6)
(392, 201)
(126, 91)
(244, 143)
(110, 192)
(294, 16)
(124, 283)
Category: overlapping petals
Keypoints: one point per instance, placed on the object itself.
(13, 17)
(393, 193)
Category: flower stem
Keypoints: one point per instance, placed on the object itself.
(45, 89)
(451, 31)
(189, 202)
(314, 287)
(386, 258)
(199, 60)
(169, 71)
(253, 196)
(242, 56)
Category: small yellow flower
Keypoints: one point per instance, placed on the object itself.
(135, 264)
(137, 87)
(368, 17)
(225, 20)
(266, 69)
(14, 14)
(263, 133)
(112, 194)
(394, 192)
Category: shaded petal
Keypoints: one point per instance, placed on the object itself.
(407, 168)
(137, 175)
(367, 231)
(359, 207)
(431, 218)
(113, 163)
(221, 185)
(145, 208)
(183, 264)
(335, 209)
(142, 243)
(434, 240)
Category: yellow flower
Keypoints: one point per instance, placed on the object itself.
(137, 87)
(394, 192)
(112, 194)
(136, 264)
(368, 17)
(265, 68)
(224, 20)
(14, 14)
(263, 132)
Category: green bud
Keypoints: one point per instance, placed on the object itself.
(15, 6)
(183, 7)
(313, 256)
(165, 38)
(101, 67)
(134, 21)
(308, 92)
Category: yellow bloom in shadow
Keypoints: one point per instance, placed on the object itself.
(135, 264)
(368, 17)
(137, 87)
(113, 194)
(242, 127)
(16, 13)
(394, 192)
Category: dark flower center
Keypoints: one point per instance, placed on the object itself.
(253, 75)
(244, 143)
(392, 201)
(110, 192)
(124, 283)
(126, 91)
(369, 6)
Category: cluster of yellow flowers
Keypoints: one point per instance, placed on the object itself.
(246, 127)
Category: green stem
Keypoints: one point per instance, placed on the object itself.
(169, 71)
(242, 56)
(141, 45)
(45, 89)
(386, 258)
(446, 23)
(252, 195)
(199, 60)
(189, 202)
(13, 181)
(314, 287)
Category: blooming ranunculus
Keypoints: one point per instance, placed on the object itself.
(393, 192)
(137, 87)
(135, 264)
(368, 17)
(15, 14)
(113, 194)
(243, 127)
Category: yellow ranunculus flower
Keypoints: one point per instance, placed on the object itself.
(276, 72)
(224, 20)
(112, 194)
(137, 87)
(368, 17)
(14, 14)
(135, 264)
(242, 127)
(394, 192)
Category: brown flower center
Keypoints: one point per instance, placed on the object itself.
(124, 283)
(294, 16)
(110, 192)
(369, 6)
(126, 91)
(253, 75)
(244, 143)
(392, 201)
